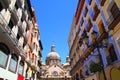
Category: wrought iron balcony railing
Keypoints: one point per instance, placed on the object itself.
(11, 34)
(114, 19)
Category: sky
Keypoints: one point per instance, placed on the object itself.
(54, 18)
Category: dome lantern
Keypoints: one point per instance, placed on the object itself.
(53, 48)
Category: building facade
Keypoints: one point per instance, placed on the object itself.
(20, 44)
(100, 17)
(53, 69)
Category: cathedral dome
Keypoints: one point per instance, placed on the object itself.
(53, 54)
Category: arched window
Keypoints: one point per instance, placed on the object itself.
(21, 67)
(4, 51)
(13, 63)
(55, 73)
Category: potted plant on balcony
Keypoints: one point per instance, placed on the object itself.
(95, 67)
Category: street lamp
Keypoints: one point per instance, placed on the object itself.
(95, 45)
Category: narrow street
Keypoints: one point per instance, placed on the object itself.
(60, 40)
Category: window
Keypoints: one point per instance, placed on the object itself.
(102, 2)
(112, 52)
(13, 63)
(35, 59)
(4, 52)
(11, 24)
(81, 74)
(101, 27)
(24, 44)
(1, 79)
(81, 21)
(18, 36)
(115, 11)
(1, 6)
(21, 67)
(16, 5)
(55, 73)
(35, 34)
(82, 51)
(86, 10)
(95, 8)
(3, 58)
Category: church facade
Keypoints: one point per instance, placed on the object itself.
(54, 69)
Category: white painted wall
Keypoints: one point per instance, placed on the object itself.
(7, 74)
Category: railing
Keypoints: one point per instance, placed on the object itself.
(86, 11)
(102, 2)
(6, 2)
(89, 25)
(20, 26)
(31, 60)
(11, 34)
(26, 36)
(96, 12)
(14, 13)
(20, 2)
(31, 45)
(114, 19)
(81, 21)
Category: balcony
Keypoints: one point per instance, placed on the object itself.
(14, 14)
(86, 11)
(102, 32)
(22, 52)
(89, 25)
(102, 36)
(40, 62)
(96, 12)
(25, 36)
(33, 65)
(6, 3)
(29, 60)
(102, 2)
(87, 52)
(20, 26)
(11, 35)
(81, 21)
(31, 45)
(19, 2)
(114, 19)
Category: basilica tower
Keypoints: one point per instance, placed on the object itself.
(53, 57)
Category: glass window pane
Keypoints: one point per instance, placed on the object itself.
(13, 64)
(3, 58)
(55, 73)
(20, 70)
